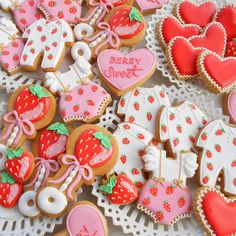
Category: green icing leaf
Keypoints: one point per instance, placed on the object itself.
(234, 39)
(134, 15)
(59, 128)
(11, 154)
(109, 186)
(106, 142)
(6, 178)
(98, 135)
(39, 91)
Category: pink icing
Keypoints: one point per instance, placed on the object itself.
(123, 71)
(128, 186)
(145, 5)
(11, 54)
(67, 10)
(231, 105)
(102, 156)
(123, 30)
(32, 114)
(14, 191)
(86, 220)
(56, 148)
(177, 207)
(24, 167)
(26, 14)
(83, 102)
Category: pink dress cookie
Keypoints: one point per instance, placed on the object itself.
(166, 197)
(68, 10)
(26, 13)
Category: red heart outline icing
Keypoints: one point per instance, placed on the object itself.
(208, 38)
(210, 203)
(219, 72)
(170, 27)
(199, 14)
(182, 58)
(227, 17)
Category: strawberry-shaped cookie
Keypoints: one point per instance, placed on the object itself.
(121, 190)
(91, 150)
(10, 191)
(30, 108)
(128, 23)
(20, 164)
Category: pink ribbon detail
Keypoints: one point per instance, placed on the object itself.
(112, 38)
(51, 166)
(25, 126)
(96, 5)
(72, 162)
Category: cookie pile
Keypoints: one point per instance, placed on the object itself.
(199, 40)
(156, 147)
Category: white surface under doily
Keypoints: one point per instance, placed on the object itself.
(196, 85)
(129, 217)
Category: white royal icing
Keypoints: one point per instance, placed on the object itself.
(3, 157)
(83, 30)
(9, 4)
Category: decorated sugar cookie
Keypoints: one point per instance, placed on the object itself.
(218, 140)
(123, 73)
(85, 219)
(166, 197)
(49, 144)
(215, 212)
(230, 105)
(179, 125)
(217, 72)
(120, 190)
(147, 7)
(141, 106)
(182, 58)
(170, 27)
(128, 24)
(10, 190)
(191, 13)
(227, 17)
(69, 10)
(91, 150)
(11, 46)
(132, 139)
(47, 38)
(7, 5)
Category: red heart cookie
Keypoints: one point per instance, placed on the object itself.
(215, 212)
(170, 27)
(191, 13)
(208, 38)
(182, 58)
(227, 17)
(219, 73)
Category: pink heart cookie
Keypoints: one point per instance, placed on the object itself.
(150, 5)
(123, 73)
(230, 105)
(86, 219)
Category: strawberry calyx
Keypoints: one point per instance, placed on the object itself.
(6, 178)
(134, 15)
(14, 153)
(59, 128)
(104, 139)
(107, 188)
(234, 40)
(39, 91)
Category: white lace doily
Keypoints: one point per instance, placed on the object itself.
(129, 217)
(196, 85)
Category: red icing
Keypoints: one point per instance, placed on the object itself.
(49, 138)
(227, 17)
(222, 71)
(171, 28)
(214, 39)
(26, 102)
(200, 15)
(219, 214)
(185, 57)
(123, 26)
(88, 148)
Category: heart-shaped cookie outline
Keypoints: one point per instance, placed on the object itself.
(172, 64)
(205, 32)
(217, 14)
(197, 207)
(208, 80)
(178, 5)
(119, 91)
(160, 24)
